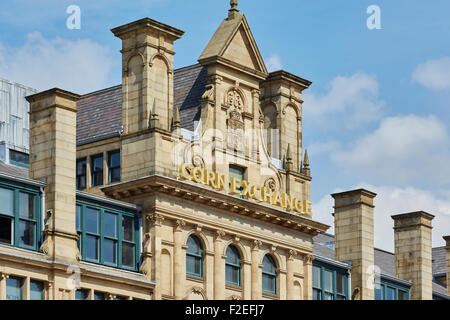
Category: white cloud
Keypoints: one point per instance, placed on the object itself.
(403, 149)
(80, 66)
(317, 148)
(350, 102)
(434, 74)
(273, 63)
(391, 200)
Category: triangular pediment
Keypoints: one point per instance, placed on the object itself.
(234, 41)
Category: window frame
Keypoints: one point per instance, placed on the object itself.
(200, 256)
(93, 172)
(273, 275)
(17, 189)
(18, 163)
(78, 176)
(335, 271)
(120, 213)
(110, 168)
(234, 267)
(387, 284)
(43, 288)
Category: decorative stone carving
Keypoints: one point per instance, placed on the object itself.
(197, 161)
(291, 254)
(45, 246)
(155, 219)
(308, 258)
(48, 219)
(234, 99)
(271, 184)
(179, 224)
(256, 244)
(209, 93)
(220, 234)
(235, 132)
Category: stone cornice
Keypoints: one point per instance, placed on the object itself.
(146, 23)
(192, 192)
(284, 75)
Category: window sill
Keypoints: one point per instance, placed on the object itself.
(270, 296)
(196, 279)
(233, 287)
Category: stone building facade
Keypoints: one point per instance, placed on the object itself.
(186, 183)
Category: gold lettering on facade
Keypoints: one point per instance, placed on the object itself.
(245, 189)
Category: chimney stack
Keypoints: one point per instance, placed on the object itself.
(147, 91)
(413, 261)
(353, 225)
(447, 247)
(53, 159)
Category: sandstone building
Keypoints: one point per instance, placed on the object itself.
(192, 183)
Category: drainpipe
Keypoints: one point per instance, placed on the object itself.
(42, 209)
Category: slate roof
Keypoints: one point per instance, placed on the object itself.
(324, 246)
(99, 114)
(13, 170)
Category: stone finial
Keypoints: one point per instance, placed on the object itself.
(176, 120)
(233, 12)
(289, 162)
(306, 170)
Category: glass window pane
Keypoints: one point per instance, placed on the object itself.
(390, 293)
(7, 201)
(317, 294)
(78, 218)
(92, 219)
(97, 164)
(6, 234)
(114, 159)
(82, 294)
(194, 246)
(340, 283)
(27, 232)
(91, 247)
(114, 175)
(328, 281)
(190, 264)
(128, 255)
(232, 275)
(36, 290)
(128, 228)
(14, 288)
(233, 256)
(99, 296)
(110, 251)
(378, 293)
(269, 265)
(26, 205)
(329, 296)
(316, 277)
(268, 283)
(110, 225)
(402, 295)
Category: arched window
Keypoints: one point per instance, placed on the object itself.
(269, 275)
(233, 266)
(194, 257)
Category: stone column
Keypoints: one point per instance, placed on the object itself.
(219, 266)
(307, 276)
(290, 290)
(412, 236)
(3, 277)
(447, 247)
(256, 271)
(353, 221)
(157, 220)
(53, 159)
(179, 260)
(247, 280)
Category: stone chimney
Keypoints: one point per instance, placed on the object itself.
(147, 91)
(413, 261)
(447, 247)
(353, 225)
(53, 159)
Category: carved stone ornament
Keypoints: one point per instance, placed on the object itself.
(271, 184)
(154, 219)
(197, 161)
(219, 235)
(45, 247)
(179, 224)
(209, 93)
(308, 258)
(235, 131)
(234, 99)
(256, 244)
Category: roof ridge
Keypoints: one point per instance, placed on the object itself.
(100, 91)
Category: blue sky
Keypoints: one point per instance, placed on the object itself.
(376, 116)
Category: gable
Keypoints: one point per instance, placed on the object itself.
(240, 51)
(233, 41)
